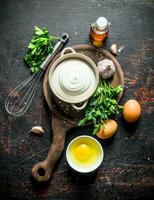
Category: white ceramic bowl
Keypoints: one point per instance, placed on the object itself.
(94, 166)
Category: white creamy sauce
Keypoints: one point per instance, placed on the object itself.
(73, 79)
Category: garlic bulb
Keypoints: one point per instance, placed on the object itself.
(114, 49)
(37, 130)
(106, 68)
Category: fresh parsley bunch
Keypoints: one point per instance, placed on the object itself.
(102, 105)
(39, 47)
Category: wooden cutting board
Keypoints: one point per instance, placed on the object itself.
(60, 122)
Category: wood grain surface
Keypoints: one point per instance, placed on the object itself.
(128, 168)
(96, 55)
(61, 121)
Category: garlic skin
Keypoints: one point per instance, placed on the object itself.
(114, 49)
(37, 130)
(106, 68)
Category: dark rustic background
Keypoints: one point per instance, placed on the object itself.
(128, 168)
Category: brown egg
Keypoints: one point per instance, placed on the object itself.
(131, 110)
(109, 129)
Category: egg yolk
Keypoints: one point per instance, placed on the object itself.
(82, 152)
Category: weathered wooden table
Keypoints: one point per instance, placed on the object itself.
(128, 168)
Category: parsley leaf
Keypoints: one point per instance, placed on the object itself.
(38, 49)
(102, 105)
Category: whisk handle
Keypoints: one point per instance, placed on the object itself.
(56, 49)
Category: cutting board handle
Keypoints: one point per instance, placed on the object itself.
(42, 171)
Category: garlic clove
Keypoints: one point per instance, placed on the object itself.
(37, 130)
(121, 48)
(114, 49)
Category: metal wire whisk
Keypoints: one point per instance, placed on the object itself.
(21, 97)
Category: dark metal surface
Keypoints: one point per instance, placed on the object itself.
(128, 168)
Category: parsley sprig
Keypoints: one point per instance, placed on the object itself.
(102, 105)
(39, 47)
